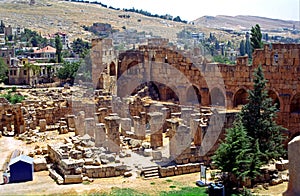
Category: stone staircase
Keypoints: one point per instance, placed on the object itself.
(150, 172)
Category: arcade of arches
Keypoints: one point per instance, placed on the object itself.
(211, 84)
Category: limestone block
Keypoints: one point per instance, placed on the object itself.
(294, 169)
(40, 164)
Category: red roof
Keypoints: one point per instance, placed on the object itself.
(47, 49)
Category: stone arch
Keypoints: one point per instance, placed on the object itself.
(216, 97)
(157, 91)
(130, 67)
(190, 95)
(274, 96)
(240, 98)
(112, 69)
(295, 104)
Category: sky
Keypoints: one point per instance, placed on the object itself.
(192, 9)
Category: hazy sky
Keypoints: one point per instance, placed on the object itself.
(193, 9)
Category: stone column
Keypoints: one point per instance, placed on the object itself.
(100, 134)
(125, 125)
(173, 123)
(71, 122)
(42, 124)
(294, 169)
(156, 137)
(139, 128)
(183, 144)
(79, 124)
(113, 134)
(90, 127)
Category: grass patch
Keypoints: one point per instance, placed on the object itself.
(169, 180)
(191, 191)
(172, 186)
(125, 192)
(86, 182)
(152, 183)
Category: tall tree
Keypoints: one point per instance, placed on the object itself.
(258, 117)
(248, 46)
(68, 71)
(242, 48)
(3, 70)
(256, 37)
(58, 46)
(232, 156)
(80, 47)
(2, 26)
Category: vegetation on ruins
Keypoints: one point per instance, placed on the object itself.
(222, 59)
(12, 96)
(58, 46)
(255, 138)
(3, 70)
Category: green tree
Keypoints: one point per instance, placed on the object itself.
(258, 117)
(58, 46)
(256, 37)
(248, 46)
(232, 156)
(2, 26)
(242, 48)
(80, 47)
(3, 70)
(68, 71)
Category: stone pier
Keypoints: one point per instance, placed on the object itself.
(79, 124)
(156, 125)
(112, 124)
(139, 128)
(90, 126)
(100, 134)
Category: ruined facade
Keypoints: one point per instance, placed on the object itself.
(187, 79)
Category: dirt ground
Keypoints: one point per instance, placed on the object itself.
(44, 185)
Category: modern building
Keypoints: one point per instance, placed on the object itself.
(46, 53)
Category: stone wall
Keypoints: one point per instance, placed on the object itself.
(104, 171)
(212, 83)
(179, 169)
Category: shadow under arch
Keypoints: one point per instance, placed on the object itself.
(217, 97)
(295, 104)
(240, 98)
(275, 98)
(190, 99)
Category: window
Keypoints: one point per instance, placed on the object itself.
(25, 72)
(276, 58)
(15, 72)
(11, 72)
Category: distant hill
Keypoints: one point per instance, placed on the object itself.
(243, 22)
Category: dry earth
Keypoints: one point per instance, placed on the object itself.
(44, 185)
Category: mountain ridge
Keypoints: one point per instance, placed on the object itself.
(244, 22)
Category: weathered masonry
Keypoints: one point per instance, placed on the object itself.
(186, 78)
